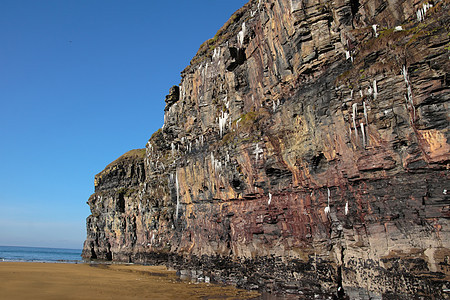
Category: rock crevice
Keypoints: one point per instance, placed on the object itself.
(306, 150)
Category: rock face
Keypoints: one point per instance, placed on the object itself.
(306, 150)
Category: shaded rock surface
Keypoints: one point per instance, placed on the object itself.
(305, 151)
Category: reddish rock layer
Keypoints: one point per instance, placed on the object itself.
(305, 150)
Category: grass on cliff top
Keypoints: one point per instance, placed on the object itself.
(132, 154)
(222, 35)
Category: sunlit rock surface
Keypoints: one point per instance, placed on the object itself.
(306, 150)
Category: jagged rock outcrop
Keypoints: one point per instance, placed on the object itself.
(306, 150)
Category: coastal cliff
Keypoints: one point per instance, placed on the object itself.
(306, 150)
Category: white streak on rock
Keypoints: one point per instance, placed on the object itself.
(421, 12)
(365, 112)
(222, 122)
(375, 89)
(408, 96)
(258, 151)
(347, 55)
(216, 164)
(374, 27)
(172, 145)
(355, 110)
(327, 209)
(178, 195)
(216, 53)
(241, 35)
(363, 135)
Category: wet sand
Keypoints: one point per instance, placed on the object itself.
(84, 281)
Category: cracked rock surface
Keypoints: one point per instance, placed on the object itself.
(305, 151)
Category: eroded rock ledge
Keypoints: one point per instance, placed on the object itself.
(306, 150)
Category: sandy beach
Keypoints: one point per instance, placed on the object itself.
(85, 281)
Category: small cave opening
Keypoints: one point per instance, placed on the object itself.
(237, 184)
(93, 254)
(108, 253)
(354, 5)
(238, 56)
(120, 205)
(318, 163)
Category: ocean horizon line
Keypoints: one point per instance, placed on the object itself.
(43, 247)
(39, 254)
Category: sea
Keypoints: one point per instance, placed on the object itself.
(38, 254)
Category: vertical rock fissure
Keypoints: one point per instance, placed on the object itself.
(267, 172)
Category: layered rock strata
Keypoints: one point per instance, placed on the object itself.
(306, 150)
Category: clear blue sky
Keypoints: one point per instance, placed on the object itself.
(81, 83)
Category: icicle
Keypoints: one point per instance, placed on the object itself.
(274, 106)
(355, 110)
(216, 53)
(270, 199)
(178, 195)
(365, 112)
(152, 240)
(216, 164)
(421, 12)
(374, 27)
(222, 122)
(173, 149)
(347, 55)
(258, 151)
(405, 74)
(237, 122)
(346, 208)
(327, 209)
(363, 135)
(375, 89)
(408, 96)
(241, 35)
(419, 15)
